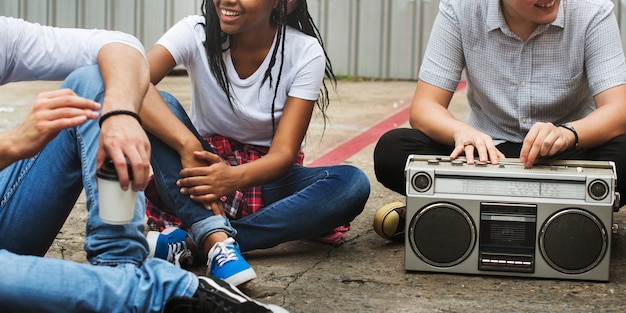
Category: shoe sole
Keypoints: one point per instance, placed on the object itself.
(241, 277)
(386, 222)
(234, 293)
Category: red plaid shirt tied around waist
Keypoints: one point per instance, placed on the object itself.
(243, 202)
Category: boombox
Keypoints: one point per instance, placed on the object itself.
(549, 221)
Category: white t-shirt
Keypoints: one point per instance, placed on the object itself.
(31, 51)
(250, 119)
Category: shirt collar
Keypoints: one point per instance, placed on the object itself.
(495, 19)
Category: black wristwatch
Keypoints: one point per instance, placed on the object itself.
(573, 130)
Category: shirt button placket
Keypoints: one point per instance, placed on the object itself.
(524, 101)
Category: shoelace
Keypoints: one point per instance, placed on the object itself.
(223, 252)
(177, 252)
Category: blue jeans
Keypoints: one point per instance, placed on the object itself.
(304, 203)
(37, 195)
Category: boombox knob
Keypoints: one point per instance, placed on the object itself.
(421, 182)
(616, 203)
(598, 190)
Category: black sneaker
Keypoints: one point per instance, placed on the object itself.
(217, 296)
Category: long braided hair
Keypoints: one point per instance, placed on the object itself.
(284, 15)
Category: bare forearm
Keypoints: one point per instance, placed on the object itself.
(264, 170)
(599, 127)
(7, 151)
(285, 145)
(126, 77)
(436, 122)
(430, 115)
(161, 122)
(606, 122)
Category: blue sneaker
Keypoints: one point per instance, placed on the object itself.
(170, 245)
(227, 263)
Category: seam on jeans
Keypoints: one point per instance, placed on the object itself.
(100, 262)
(188, 291)
(90, 192)
(20, 177)
(87, 184)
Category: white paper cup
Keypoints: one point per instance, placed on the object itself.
(116, 205)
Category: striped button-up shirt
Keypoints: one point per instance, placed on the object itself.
(512, 84)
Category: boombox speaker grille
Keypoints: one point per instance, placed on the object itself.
(573, 241)
(442, 234)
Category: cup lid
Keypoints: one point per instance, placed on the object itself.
(107, 171)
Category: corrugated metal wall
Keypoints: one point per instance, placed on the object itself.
(375, 38)
(368, 38)
(146, 19)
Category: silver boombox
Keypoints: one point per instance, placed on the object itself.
(550, 221)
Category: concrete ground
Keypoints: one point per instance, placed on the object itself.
(366, 274)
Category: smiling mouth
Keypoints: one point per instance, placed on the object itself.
(546, 5)
(229, 13)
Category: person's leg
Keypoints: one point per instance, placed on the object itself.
(304, 203)
(390, 157)
(167, 166)
(37, 284)
(39, 193)
(212, 234)
(102, 242)
(393, 149)
(510, 149)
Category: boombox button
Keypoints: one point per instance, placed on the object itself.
(433, 161)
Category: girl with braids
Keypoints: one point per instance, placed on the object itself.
(231, 172)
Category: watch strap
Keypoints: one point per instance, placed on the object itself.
(573, 130)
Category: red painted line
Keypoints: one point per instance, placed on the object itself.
(358, 143)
